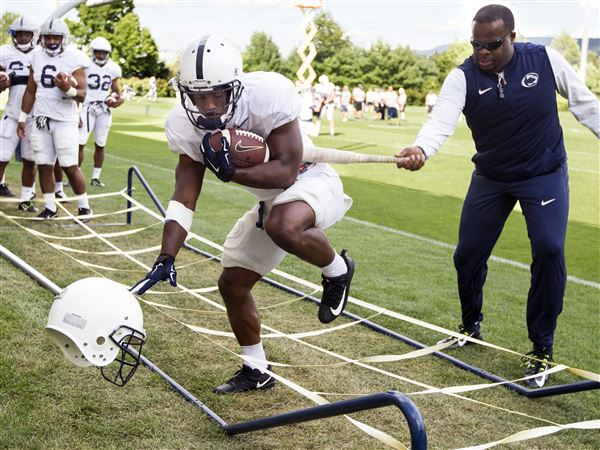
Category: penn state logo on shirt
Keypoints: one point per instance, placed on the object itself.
(530, 80)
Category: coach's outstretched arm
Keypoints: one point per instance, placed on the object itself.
(189, 175)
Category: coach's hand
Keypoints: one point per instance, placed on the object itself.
(163, 269)
(415, 158)
(218, 161)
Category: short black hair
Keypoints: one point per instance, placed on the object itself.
(491, 13)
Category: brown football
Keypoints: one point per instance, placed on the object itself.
(246, 148)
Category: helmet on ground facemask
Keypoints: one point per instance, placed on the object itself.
(100, 44)
(54, 27)
(210, 65)
(96, 321)
(23, 24)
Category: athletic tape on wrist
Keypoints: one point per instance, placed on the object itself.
(72, 92)
(23, 117)
(181, 214)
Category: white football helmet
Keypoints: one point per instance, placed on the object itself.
(210, 65)
(54, 27)
(95, 321)
(324, 79)
(100, 44)
(23, 24)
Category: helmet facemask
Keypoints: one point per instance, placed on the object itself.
(226, 96)
(54, 48)
(100, 57)
(130, 342)
(26, 46)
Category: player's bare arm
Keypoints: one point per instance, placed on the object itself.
(189, 175)
(4, 79)
(285, 146)
(116, 98)
(27, 103)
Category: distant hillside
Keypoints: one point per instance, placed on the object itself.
(594, 45)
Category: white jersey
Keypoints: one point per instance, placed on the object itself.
(16, 65)
(50, 101)
(268, 101)
(99, 80)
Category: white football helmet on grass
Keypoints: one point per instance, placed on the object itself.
(95, 321)
(210, 67)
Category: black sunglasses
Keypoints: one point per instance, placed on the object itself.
(490, 45)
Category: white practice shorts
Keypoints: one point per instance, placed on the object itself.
(57, 140)
(250, 247)
(9, 139)
(96, 120)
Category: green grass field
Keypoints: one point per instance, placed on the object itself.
(400, 230)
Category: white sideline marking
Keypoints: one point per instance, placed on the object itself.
(434, 242)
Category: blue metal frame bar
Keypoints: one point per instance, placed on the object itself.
(547, 391)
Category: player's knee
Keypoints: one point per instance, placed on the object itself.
(283, 232)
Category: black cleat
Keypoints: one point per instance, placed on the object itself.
(539, 365)
(5, 191)
(97, 182)
(60, 195)
(84, 214)
(457, 342)
(47, 214)
(27, 206)
(335, 292)
(246, 379)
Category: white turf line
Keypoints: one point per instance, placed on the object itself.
(509, 262)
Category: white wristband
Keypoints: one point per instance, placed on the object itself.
(72, 92)
(23, 117)
(181, 214)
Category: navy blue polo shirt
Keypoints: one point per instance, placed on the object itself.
(517, 136)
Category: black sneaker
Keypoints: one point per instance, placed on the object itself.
(457, 342)
(47, 214)
(27, 206)
(537, 362)
(246, 379)
(60, 195)
(84, 214)
(5, 191)
(97, 182)
(335, 292)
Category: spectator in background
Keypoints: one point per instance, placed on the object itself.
(370, 101)
(402, 98)
(391, 104)
(152, 89)
(358, 99)
(430, 101)
(345, 99)
(325, 90)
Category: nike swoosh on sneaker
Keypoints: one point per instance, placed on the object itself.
(540, 381)
(261, 384)
(336, 312)
(461, 342)
(545, 202)
(483, 91)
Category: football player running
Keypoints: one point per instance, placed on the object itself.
(102, 76)
(14, 64)
(297, 199)
(56, 83)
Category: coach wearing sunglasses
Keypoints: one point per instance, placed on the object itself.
(507, 92)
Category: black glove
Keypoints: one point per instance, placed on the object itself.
(163, 269)
(219, 162)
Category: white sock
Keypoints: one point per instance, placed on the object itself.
(96, 172)
(49, 201)
(3, 180)
(83, 202)
(336, 268)
(58, 186)
(258, 352)
(26, 193)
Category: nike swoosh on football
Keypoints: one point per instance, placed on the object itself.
(259, 384)
(242, 148)
(483, 91)
(545, 202)
(338, 310)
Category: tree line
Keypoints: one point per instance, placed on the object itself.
(345, 63)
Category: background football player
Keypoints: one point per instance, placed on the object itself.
(56, 83)
(14, 63)
(102, 77)
(297, 200)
